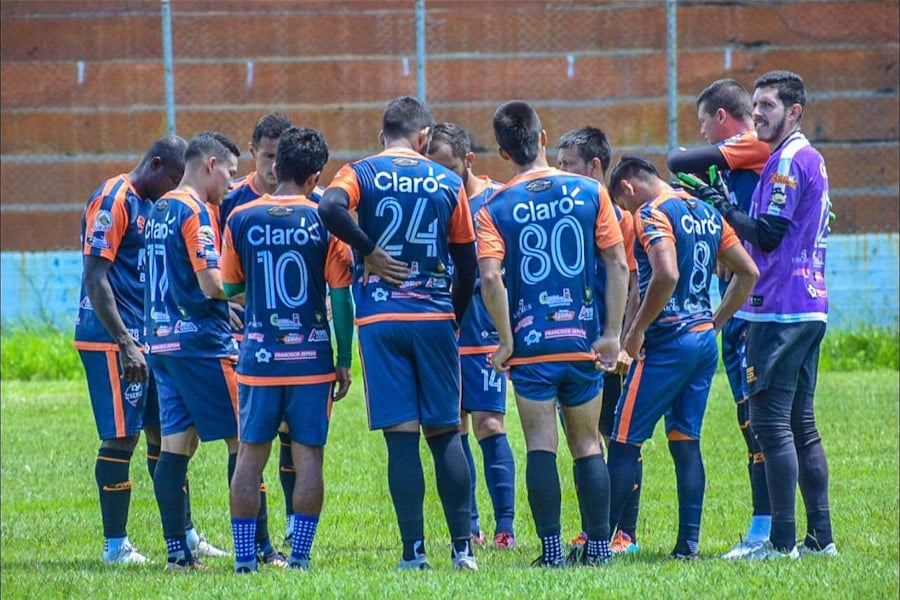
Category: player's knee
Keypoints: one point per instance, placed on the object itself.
(123, 444)
(487, 424)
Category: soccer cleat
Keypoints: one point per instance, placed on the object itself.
(418, 563)
(622, 542)
(478, 538)
(578, 557)
(505, 541)
(578, 540)
(829, 550)
(680, 556)
(203, 549)
(299, 564)
(541, 563)
(244, 570)
(288, 541)
(742, 549)
(768, 552)
(464, 561)
(125, 554)
(183, 564)
(274, 559)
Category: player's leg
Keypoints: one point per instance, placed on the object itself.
(476, 535)
(392, 407)
(437, 377)
(287, 476)
(118, 409)
(580, 399)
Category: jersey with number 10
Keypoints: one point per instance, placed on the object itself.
(546, 227)
(413, 208)
(279, 246)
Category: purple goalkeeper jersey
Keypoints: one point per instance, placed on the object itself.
(791, 286)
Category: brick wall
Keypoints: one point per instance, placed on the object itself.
(82, 83)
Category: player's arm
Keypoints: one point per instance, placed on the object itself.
(342, 312)
(335, 212)
(607, 347)
(663, 279)
(493, 293)
(745, 275)
(465, 265)
(210, 281)
(696, 160)
(100, 293)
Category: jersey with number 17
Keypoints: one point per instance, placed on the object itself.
(414, 209)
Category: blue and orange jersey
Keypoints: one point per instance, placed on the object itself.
(112, 227)
(182, 238)
(546, 227)
(626, 224)
(700, 236)
(746, 156)
(414, 209)
(279, 248)
(242, 191)
(477, 332)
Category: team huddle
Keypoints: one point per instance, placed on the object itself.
(214, 309)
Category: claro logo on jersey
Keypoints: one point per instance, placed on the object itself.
(392, 182)
(709, 225)
(269, 235)
(527, 212)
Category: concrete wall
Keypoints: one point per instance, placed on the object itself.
(82, 83)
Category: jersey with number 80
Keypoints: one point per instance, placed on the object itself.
(413, 208)
(546, 228)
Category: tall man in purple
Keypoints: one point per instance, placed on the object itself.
(786, 233)
(413, 219)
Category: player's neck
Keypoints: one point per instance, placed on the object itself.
(475, 185)
(538, 164)
(260, 184)
(192, 189)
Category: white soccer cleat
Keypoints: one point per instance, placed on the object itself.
(829, 550)
(768, 552)
(126, 554)
(464, 561)
(203, 549)
(742, 549)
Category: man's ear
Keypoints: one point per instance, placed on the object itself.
(543, 138)
(381, 137)
(504, 154)
(721, 115)
(252, 150)
(469, 160)
(796, 112)
(211, 162)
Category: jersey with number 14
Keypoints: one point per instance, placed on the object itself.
(280, 248)
(413, 208)
(546, 227)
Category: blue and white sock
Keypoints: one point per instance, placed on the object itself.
(244, 532)
(304, 527)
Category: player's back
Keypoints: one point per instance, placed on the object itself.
(545, 223)
(282, 247)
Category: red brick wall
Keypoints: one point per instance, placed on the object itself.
(334, 65)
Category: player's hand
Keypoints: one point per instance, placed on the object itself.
(134, 365)
(714, 196)
(606, 348)
(634, 344)
(343, 383)
(500, 356)
(236, 322)
(623, 363)
(385, 266)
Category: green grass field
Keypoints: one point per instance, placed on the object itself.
(51, 539)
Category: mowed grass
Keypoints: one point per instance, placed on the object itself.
(51, 535)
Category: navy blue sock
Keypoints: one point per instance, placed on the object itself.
(453, 485)
(188, 520)
(407, 486)
(813, 481)
(111, 472)
(628, 520)
(263, 543)
(544, 496)
(622, 465)
(756, 463)
(475, 524)
(691, 481)
(152, 458)
(286, 473)
(500, 475)
(593, 496)
(168, 486)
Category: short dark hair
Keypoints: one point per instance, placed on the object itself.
(271, 126)
(210, 143)
(591, 143)
(405, 116)
(630, 166)
(302, 152)
(454, 136)
(727, 94)
(170, 150)
(789, 86)
(517, 129)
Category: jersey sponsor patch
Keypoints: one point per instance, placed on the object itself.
(103, 221)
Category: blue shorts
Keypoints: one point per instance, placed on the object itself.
(672, 381)
(118, 405)
(196, 391)
(483, 388)
(734, 357)
(411, 372)
(305, 408)
(571, 383)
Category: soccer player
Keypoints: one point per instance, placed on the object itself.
(586, 151)
(413, 218)
(786, 233)
(544, 229)
(262, 180)
(188, 337)
(673, 336)
(109, 330)
(483, 390)
(277, 251)
(723, 110)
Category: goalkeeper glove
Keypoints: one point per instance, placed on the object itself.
(714, 196)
